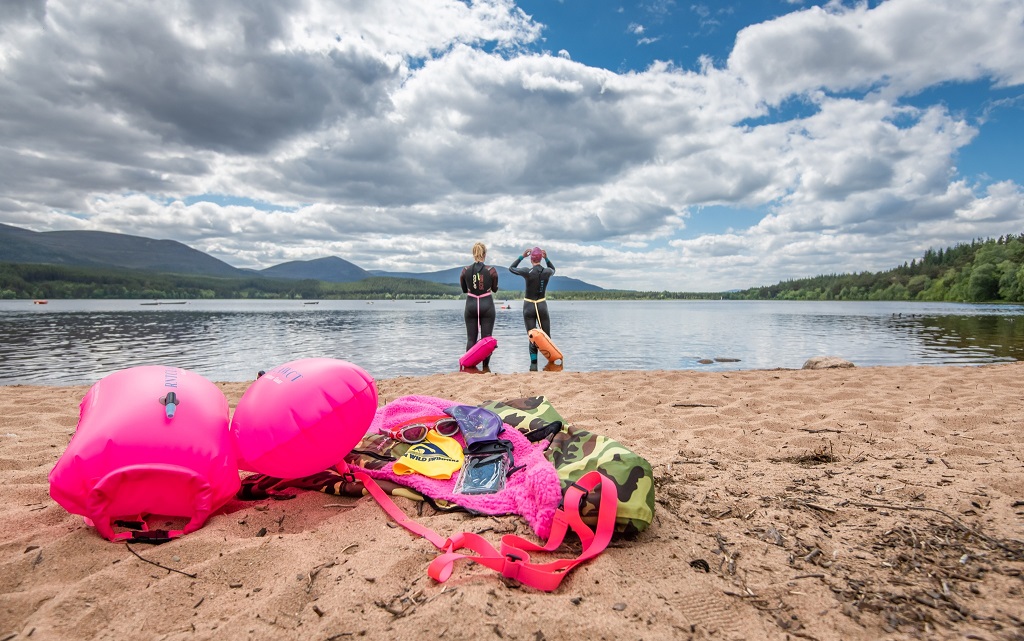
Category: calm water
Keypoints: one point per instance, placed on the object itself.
(71, 342)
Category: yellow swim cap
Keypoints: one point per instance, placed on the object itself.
(439, 457)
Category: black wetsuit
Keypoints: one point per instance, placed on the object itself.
(480, 282)
(534, 305)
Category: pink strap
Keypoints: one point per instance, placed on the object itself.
(513, 560)
(389, 506)
(478, 297)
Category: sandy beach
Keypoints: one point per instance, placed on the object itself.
(864, 503)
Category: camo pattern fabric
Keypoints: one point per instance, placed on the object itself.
(373, 452)
(574, 452)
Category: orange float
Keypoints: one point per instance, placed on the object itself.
(544, 343)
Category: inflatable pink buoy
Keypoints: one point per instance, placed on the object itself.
(478, 352)
(150, 440)
(303, 417)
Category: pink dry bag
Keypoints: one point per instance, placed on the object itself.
(303, 417)
(150, 440)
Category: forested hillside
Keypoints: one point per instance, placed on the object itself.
(56, 281)
(989, 270)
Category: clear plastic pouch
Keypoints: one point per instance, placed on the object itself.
(482, 474)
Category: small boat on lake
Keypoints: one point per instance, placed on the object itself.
(40, 302)
(310, 302)
(169, 302)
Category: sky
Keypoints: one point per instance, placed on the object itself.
(654, 145)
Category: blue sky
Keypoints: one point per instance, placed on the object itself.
(630, 36)
(717, 145)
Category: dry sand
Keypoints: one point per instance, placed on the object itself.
(867, 503)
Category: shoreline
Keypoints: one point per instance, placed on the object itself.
(558, 370)
(832, 504)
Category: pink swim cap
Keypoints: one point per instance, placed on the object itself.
(536, 254)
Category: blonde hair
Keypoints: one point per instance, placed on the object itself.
(479, 252)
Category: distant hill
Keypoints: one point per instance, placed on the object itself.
(331, 269)
(506, 280)
(97, 248)
(103, 249)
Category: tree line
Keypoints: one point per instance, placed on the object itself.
(990, 270)
(18, 280)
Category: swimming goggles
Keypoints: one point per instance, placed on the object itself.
(415, 430)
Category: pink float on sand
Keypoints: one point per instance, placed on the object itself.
(303, 417)
(478, 352)
(150, 440)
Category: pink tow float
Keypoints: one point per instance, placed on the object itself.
(478, 352)
(303, 417)
(150, 440)
(157, 441)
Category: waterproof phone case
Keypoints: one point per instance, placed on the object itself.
(482, 474)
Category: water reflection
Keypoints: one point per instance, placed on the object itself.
(78, 342)
(965, 339)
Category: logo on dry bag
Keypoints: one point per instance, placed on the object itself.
(171, 377)
(283, 373)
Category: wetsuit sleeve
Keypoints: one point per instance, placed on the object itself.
(551, 265)
(462, 281)
(494, 279)
(514, 268)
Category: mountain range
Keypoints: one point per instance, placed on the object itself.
(105, 249)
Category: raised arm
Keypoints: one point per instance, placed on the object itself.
(515, 269)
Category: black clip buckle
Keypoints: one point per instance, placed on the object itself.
(131, 525)
(583, 497)
(156, 537)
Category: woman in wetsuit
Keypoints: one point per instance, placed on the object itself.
(535, 307)
(478, 283)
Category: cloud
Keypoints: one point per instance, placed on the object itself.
(840, 48)
(397, 134)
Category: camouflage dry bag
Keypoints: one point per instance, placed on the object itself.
(574, 452)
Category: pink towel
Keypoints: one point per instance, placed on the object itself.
(532, 492)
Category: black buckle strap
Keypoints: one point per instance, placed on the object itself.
(155, 537)
(583, 497)
(544, 433)
(130, 525)
(497, 446)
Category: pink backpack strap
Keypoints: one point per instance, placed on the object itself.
(389, 506)
(513, 559)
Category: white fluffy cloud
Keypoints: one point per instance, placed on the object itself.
(396, 134)
(902, 45)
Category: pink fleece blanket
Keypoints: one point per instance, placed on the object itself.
(532, 492)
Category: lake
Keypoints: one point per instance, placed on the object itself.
(73, 342)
